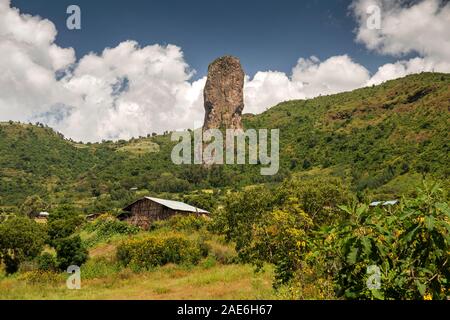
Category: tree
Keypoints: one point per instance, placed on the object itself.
(62, 223)
(21, 239)
(70, 251)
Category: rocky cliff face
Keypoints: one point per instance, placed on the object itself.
(224, 94)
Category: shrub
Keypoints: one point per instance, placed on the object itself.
(47, 262)
(41, 277)
(70, 251)
(409, 246)
(107, 226)
(157, 251)
(62, 223)
(61, 228)
(222, 253)
(186, 222)
(100, 267)
(21, 239)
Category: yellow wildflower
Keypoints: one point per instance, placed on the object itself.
(428, 296)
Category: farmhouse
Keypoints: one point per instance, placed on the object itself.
(143, 211)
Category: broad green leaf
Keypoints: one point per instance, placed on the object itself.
(410, 234)
(367, 245)
(444, 208)
(345, 209)
(421, 287)
(360, 210)
(352, 256)
(429, 222)
(377, 294)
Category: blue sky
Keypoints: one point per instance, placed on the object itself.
(289, 50)
(264, 34)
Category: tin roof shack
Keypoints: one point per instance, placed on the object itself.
(383, 203)
(43, 215)
(146, 210)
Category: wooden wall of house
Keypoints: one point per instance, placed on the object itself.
(145, 211)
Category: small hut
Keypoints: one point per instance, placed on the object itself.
(43, 215)
(383, 203)
(146, 210)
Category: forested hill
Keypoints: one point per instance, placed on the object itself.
(381, 140)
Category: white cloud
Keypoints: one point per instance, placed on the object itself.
(269, 88)
(131, 90)
(125, 91)
(309, 78)
(29, 60)
(419, 27)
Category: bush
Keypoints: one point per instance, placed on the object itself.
(47, 262)
(222, 253)
(41, 277)
(100, 267)
(70, 251)
(157, 251)
(21, 239)
(107, 226)
(189, 222)
(408, 245)
(28, 265)
(61, 228)
(62, 223)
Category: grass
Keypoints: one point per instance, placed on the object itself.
(140, 147)
(168, 282)
(215, 277)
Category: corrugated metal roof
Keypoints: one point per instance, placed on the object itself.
(176, 205)
(383, 203)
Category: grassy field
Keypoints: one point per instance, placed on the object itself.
(103, 278)
(140, 147)
(168, 282)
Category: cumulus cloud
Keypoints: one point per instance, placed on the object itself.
(28, 63)
(406, 27)
(310, 78)
(123, 92)
(130, 90)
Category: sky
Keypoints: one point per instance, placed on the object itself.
(138, 67)
(265, 35)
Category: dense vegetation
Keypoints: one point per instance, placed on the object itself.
(337, 248)
(382, 140)
(310, 222)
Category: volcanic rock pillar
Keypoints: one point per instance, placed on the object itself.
(224, 94)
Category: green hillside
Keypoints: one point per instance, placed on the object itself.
(373, 135)
(382, 140)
